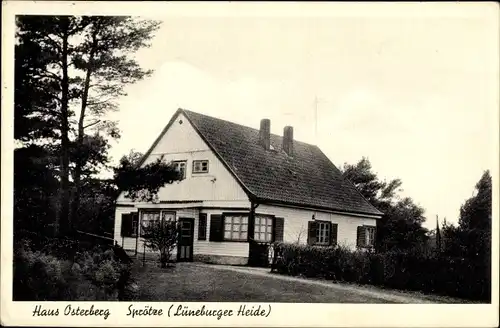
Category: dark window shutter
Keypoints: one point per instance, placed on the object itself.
(311, 232)
(216, 227)
(202, 227)
(126, 230)
(333, 233)
(278, 229)
(360, 240)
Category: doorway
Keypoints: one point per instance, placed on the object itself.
(186, 238)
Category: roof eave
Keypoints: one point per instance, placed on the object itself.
(269, 201)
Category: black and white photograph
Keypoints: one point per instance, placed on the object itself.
(218, 165)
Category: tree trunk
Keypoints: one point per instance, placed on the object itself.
(64, 225)
(81, 129)
(163, 259)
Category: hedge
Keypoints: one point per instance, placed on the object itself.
(90, 275)
(431, 273)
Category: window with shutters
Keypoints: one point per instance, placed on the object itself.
(235, 227)
(180, 166)
(263, 230)
(323, 233)
(366, 236)
(200, 166)
(369, 236)
(202, 227)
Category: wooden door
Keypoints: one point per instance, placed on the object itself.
(186, 238)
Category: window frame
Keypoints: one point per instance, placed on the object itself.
(327, 226)
(225, 216)
(177, 164)
(201, 161)
(266, 232)
(135, 228)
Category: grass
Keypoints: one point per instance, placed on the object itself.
(193, 283)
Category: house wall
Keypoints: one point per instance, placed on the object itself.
(227, 252)
(296, 221)
(219, 252)
(132, 243)
(203, 250)
(127, 243)
(182, 142)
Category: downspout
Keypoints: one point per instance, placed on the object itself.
(137, 240)
(137, 233)
(251, 219)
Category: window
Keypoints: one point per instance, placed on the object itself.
(200, 166)
(202, 227)
(154, 216)
(167, 216)
(180, 166)
(263, 228)
(366, 236)
(148, 217)
(370, 236)
(323, 233)
(235, 227)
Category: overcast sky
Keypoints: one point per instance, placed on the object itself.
(417, 95)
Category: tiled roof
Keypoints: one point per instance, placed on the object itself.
(308, 178)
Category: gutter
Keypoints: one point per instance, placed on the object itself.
(315, 208)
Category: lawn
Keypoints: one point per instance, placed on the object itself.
(192, 282)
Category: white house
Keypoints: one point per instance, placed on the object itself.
(244, 188)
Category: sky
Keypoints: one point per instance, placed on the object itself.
(416, 94)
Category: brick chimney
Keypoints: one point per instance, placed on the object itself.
(288, 140)
(265, 133)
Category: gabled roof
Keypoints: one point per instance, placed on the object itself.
(308, 178)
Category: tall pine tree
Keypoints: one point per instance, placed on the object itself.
(69, 72)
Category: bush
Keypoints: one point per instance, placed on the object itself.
(40, 277)
(91, 275)
(409, 270)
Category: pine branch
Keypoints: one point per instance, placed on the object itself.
(91, 124)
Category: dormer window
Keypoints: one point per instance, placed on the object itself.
(180, 166)
(200, 166)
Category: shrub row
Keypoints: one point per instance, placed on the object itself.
(91, 274)
(452, 276)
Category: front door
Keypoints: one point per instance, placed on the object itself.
(185, 245)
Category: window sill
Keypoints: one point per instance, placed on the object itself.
(263, 241)
(366, 247)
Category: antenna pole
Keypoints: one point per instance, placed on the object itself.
(316, 118)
